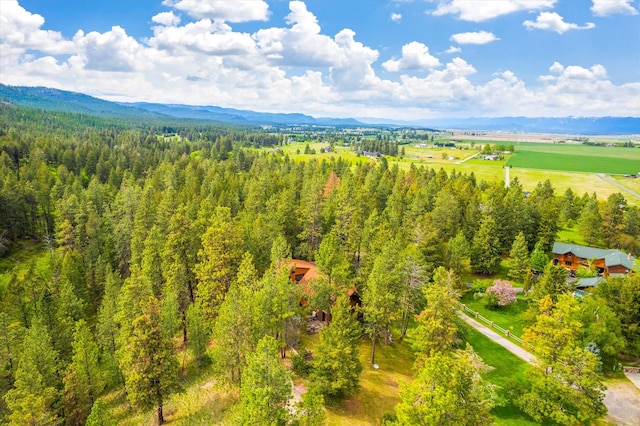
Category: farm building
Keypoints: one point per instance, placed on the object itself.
(608, 262)
(304, 273)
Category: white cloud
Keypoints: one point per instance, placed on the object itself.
(479, 37)
(551, 21)
(612, 7)
(289, 68)
(396, 17)
(300, 45)
(482, 10)
(21, 30)
(453, 49)
(226, 10)
(166, 18)
(111, 51)
(415, 56)
(213, 38)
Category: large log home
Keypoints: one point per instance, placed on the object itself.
(608, 262)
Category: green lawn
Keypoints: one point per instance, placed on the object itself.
(509, 317)
(507, 368)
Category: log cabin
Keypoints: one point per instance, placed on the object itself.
(608, 262)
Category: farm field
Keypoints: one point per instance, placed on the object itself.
(577, 158)
(560, 175)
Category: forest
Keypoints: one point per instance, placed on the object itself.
(152, 253)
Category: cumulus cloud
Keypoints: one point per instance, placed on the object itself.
(231, 11)
(415, 56)
(453, 49)
(396, 17)
(482, 10)
(166, 18)
(479, 37)
(213, 38)
(289, 68)
(551, 21)
(300, 45)
(612, 7)
(21, 30)
(111, 51)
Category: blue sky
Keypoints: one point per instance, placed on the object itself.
(399, 59)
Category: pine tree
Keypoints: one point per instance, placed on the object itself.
(437, 328)
(485, 250)
(552, 283)
(34, 398)
(448, 390)
(590, 221)
(519, 256)
(266, 387)
(337, 367)
(100, 416)
(83, 381)
(148, 361)
(564, 387)
(380, 302)
(219, 259)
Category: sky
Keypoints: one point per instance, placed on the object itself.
(394, 59)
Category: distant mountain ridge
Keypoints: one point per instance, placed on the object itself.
(65, 101)
(239, 116)
(562, 125)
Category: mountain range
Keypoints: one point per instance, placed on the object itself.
(60, 100)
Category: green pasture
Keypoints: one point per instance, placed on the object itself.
(576, 158)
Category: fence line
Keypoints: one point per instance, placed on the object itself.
(491, 324)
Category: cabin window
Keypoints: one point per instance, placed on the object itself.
(567, 263)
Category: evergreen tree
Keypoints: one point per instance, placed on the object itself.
(437, 328)
(539, 259)
(83, 381)
(219, 259)
(199, 337)
(459, 250)
(613, 218)
(380, 302)
(336, 367)
(448, 390)
(485, 250)
(100, 416)
(590, 221)
(148, 362)
(564, 387)
(552, 283)
(266, 387)
(35, 398)
(519, 256)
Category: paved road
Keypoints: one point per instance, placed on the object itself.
(613, 182)
(501, 340)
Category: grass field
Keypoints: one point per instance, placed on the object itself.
(576, 158)
(507, 368)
